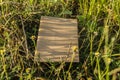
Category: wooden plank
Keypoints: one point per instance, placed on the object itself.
(56, 38)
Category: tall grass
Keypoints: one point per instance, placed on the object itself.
(99, 38)
(99, 19)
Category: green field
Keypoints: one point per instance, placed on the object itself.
(99, 39)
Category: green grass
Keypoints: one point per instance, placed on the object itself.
(99, 39)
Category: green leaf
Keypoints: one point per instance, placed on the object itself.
(67, 12)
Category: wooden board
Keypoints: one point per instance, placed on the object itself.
(56, 38)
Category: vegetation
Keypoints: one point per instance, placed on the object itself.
(99, 39)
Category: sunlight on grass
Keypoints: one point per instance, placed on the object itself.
(99, 39)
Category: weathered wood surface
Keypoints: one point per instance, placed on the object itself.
(56, 38)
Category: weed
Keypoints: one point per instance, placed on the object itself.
(99, 39)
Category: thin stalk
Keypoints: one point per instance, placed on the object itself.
(99, 70)
(23, 28)
(107, 72)
(91, 47)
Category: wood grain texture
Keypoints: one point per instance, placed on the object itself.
(56, 37)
